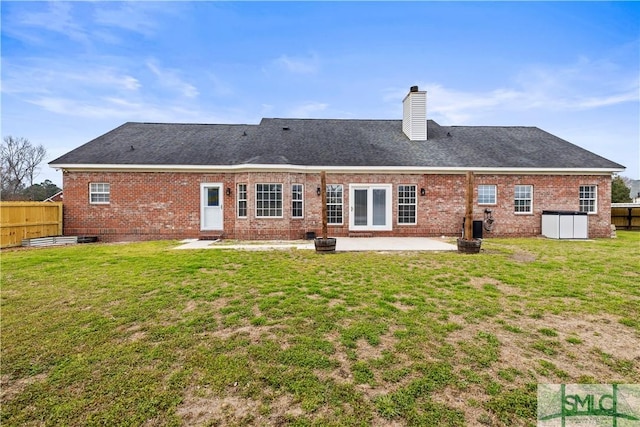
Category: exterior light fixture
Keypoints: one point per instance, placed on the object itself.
(423, 192)
(228, 191)
(318, 191)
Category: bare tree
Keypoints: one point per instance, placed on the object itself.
(19, 161)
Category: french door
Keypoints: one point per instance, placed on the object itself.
(370, 207)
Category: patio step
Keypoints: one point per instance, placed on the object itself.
(360, 234)
(210, 237)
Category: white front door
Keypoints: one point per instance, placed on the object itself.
(211, 206)
(370, 207)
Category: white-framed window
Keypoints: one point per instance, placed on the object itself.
(588, 198)
(99, 193)
(334, 204)
(242, 201)
(407, 203)
(487, 194)
(269, 200)
(297, 201)
(523, 199)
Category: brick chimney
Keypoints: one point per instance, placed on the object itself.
(414, 114)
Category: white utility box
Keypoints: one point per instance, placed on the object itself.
(565, 225)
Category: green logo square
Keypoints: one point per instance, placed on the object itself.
(568, 405)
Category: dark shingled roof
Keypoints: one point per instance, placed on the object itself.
(329, 142)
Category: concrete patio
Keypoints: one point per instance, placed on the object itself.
(343, 244)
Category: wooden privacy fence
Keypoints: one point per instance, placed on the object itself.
(28, 220)
(625, 215)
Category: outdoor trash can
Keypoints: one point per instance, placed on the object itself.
(477, 229)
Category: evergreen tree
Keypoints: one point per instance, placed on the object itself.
(620, 193)
(42, 191)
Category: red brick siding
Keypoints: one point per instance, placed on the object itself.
(550, 192)
(166, 205)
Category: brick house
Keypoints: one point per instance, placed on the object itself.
(405, 177)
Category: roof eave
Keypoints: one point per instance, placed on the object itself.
(334, 169)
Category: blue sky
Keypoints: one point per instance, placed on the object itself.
(72, 71)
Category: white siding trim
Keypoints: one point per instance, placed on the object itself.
(334, 169)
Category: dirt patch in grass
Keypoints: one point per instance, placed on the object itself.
(456, 319)
(469, 402)
(602, 331)
(255, 334)
(132, 333)
(599, 350)
(402, 307)
(524, 257)
(334, 302)
(341, 374)
(571, 361)
(11, 388)
(229, 269)
(366, 351)
(191, 306)
(285, 405)
(196, 409)
(378, 421)
(480, 283)
(630, 274)
(276, 294)
(219, 303)
(200, 410)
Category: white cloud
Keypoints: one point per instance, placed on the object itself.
(171, 80)
(106, 78)
(584, 85)
(604, 101)
(35, 77)
(115, 108)
(131, 16)
(299, 65)
(57, 18)
(266, 110)
(85, 22)
(130, 83)
(307, 110)
(218, 86)
(107, 109)
(457, 107)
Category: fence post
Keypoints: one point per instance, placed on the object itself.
(60, 219)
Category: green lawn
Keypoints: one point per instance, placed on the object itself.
(142, 334)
